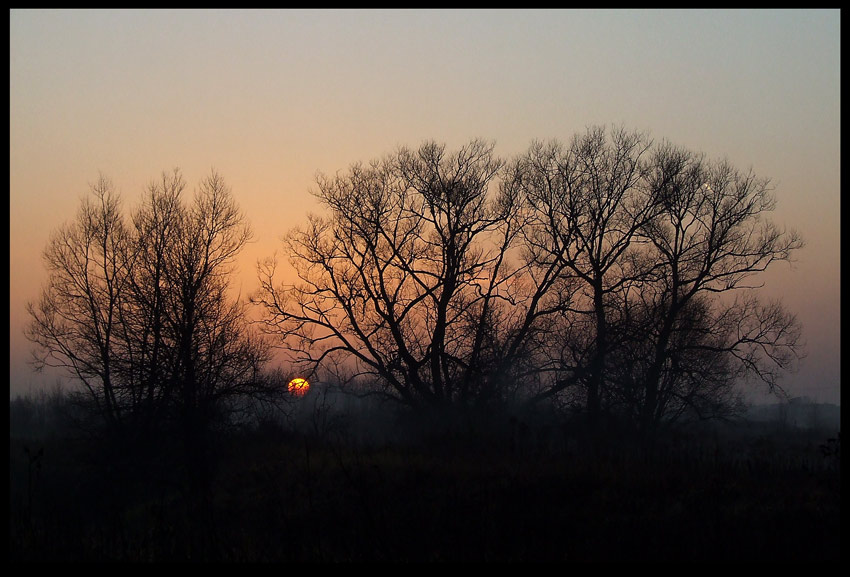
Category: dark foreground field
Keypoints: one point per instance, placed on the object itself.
(275, 496)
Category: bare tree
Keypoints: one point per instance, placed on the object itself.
(698, 379)
(142, 314)
(708, 244)
(75, 322)
(656, 247)
(611, 267)
(143, 319)
(588, 202)
(213, 355)
(411, 278)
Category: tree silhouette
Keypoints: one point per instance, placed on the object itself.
(707, 244)
(75, 322)
(613, 271)
(587, 202)
(141, 314)
(410, 276)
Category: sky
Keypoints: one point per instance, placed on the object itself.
(270, 98)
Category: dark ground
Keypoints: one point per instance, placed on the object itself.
(277, 496)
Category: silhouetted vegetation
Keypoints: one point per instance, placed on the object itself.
(612, 274)
(536, 359)
(332, 480)
(137, 311)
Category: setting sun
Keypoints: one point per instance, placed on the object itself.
(299, 386)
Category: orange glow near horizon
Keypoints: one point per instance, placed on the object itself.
(298, 387)
(236, 92)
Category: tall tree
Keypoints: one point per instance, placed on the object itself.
(709, 242)
(212, 357)
(588, 202)
(142, 315)
(143, 318)
(75, 322)
(664, 246)
(410, 278)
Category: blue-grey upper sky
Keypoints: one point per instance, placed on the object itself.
(270, 97)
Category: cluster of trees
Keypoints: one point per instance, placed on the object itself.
(612, 274)
(137, 308)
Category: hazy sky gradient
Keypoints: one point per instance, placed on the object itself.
(269, 98)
